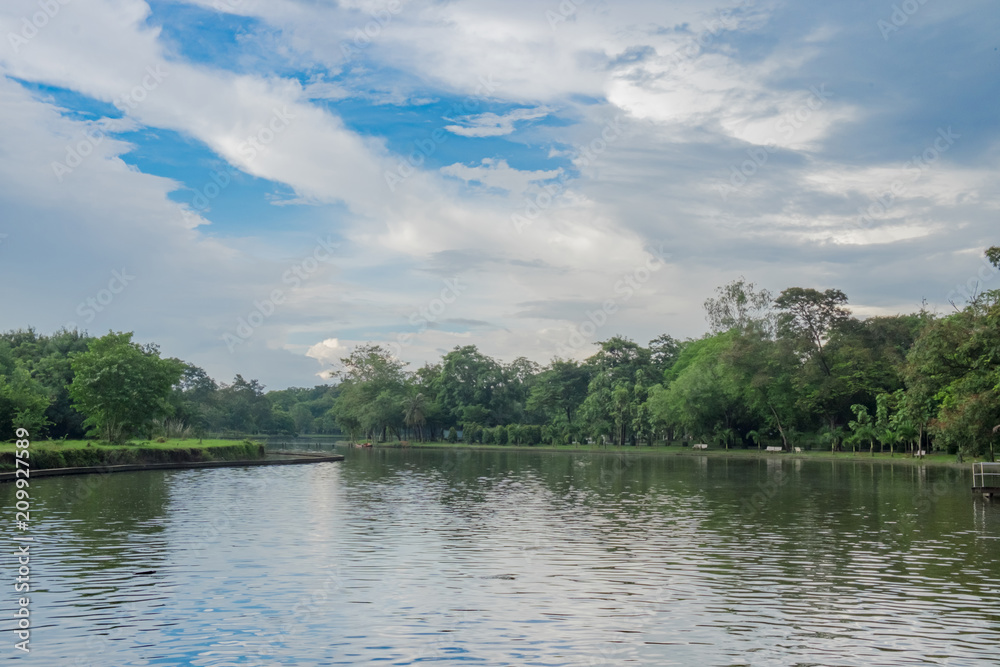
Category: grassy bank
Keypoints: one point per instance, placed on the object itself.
(935, 458)
(81, 453)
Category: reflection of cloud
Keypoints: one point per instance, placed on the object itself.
(491, 125)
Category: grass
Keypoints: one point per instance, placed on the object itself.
(934, 458)
(83, 453)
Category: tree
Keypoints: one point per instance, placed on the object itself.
(953, 376)
(47, 360)
(415, 412)
(763, 373)
(664, 351)
(616, 370)
(193, 397)
(470, 378)
(242, 407)
(121, 386)
(740, 305)
(862, 427)
(808, 315)
(704, 394)
(23, 401)
(559, 390)
(372, 390)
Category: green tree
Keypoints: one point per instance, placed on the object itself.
(809, 315)
(23, 400)
(953, 374)
(415, 412)
(611, 404)
(121, 386)
(862, 427)
(469, 379)
(740, 305)
(372, 390)
(664, 351)
(559, 390)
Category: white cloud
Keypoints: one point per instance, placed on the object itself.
(690, 105)
(498, 174)
(492, 125)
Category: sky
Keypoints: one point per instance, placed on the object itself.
(259, 186)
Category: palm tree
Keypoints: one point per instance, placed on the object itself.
(414, 412)
(863, 427)
(723, 436)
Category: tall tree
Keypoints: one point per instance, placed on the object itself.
(372, 391)
(121, 386)
(808, 315)
(23, 400)
(559, 390)
(740, 305)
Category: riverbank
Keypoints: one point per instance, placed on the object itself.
(938, 459)
(46, 454)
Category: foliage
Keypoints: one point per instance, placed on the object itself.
(740, 305)
(121, 386)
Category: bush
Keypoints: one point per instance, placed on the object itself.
(452, 435)
(500, 435)
(473, 433)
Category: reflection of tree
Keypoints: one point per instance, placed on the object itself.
(106, 521)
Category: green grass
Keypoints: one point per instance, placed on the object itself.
(935, 458)
(83, 453)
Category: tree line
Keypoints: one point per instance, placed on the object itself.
(71, 385)
(796, 369)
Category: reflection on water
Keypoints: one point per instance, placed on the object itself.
(515, 558)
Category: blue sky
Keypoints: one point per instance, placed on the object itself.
(283, 180)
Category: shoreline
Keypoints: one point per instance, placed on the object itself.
(54, 454)
(935, 460)
(176, 465)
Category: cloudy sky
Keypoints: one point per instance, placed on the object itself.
(259, 185)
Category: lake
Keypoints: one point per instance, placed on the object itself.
(404, 557)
